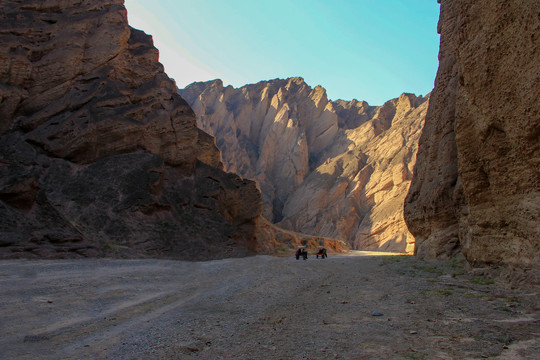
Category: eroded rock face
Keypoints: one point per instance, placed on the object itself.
(265, 130)
(338, 169)
(476, 187)
(99, 155)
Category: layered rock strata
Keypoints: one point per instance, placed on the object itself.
(476, 187)
(338, 169)
(99, 155)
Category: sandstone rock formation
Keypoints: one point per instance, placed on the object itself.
(338, 169)
(476, 187)
(99, 155)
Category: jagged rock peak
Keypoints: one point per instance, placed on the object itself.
(217, 84)
(297, 80)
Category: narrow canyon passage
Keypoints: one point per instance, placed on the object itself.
(261, 307)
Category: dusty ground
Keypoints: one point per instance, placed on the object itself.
(262, 308)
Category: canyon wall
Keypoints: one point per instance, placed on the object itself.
(476, 187)
(338, 169)
(99, 155)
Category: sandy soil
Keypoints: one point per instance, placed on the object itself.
(262, 307)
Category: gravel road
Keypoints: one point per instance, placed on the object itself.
(262, 307)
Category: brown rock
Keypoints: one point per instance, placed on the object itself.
(273, 239)
(436, 196)
(333, 169)
(476, 187)
(99, 155)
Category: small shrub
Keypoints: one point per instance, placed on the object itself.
(457, 263)
(505, 339)
(456, 274)
(482, 281)
(429, 269)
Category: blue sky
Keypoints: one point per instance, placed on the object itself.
(369, 50)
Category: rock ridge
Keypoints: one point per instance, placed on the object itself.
(99, 155)
(338, 169)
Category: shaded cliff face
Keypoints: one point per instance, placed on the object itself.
(99, 155)
(336, 169)
(476, 187)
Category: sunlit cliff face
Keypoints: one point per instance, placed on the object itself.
(337, 169)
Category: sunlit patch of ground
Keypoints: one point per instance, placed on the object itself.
(372, 253)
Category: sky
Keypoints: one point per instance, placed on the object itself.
(370, 50)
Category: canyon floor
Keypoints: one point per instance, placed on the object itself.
(263, 307)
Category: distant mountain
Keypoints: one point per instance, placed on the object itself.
(339, 169)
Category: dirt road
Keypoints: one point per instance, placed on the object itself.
(262, 307)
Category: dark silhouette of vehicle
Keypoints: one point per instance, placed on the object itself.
(321, 251)
(301, 251)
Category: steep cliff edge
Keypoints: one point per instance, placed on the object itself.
(338, 169)
(99, 155)
(476, 187)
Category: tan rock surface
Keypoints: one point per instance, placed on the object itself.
(99, 155)
(332, 169)
(357, 194)
(476, 187)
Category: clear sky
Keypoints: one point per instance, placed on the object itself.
(370, 50)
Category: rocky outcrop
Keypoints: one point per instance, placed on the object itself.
(99, 155)
(275, 240)
(338, 169)
(476, 187)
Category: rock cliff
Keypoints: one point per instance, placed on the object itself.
(338, 169)
(476, 187)
(99, 155)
